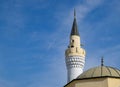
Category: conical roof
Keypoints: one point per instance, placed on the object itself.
(74, 30)
(100, 71)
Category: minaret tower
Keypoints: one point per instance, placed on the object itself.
(74, 54)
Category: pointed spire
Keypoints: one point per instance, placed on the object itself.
(102, 61)
(74, 30)
(74, 14)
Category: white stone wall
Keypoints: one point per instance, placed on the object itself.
(75, 65)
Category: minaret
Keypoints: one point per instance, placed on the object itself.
(74, 54)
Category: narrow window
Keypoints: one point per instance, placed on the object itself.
(72, 40)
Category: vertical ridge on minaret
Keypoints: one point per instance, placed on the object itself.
(74, 30)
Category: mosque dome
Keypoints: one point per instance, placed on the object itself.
(100, 71)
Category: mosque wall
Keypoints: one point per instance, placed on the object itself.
(113, 82)
(98, 82)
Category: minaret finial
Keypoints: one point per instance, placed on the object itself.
(74, 13)
(74, 30)
(102, 61)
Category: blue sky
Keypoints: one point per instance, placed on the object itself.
(35, 33)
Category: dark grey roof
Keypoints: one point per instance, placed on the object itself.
(74, 30)
(100, 71)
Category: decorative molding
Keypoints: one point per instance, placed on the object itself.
(75, 61)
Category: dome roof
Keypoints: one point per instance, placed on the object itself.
(100, 71)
